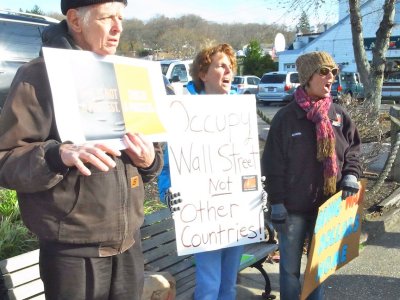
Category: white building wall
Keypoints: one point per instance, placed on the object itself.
(337, 40)
(343, 8)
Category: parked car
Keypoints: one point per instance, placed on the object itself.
(277, 87)
(247, 84)
(177, 72)
(20, 40)
(347, 83)
(391, 87)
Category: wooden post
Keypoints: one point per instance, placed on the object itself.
(394, 130)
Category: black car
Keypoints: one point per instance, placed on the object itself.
(20, 42)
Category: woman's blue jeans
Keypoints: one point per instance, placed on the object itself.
(216, 273)
(292, 235)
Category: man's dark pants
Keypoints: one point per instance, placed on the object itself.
(116, 277)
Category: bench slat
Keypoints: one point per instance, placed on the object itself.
(186, 281)
(19, 262)
(185, 274)
(158, 240)
(20, 277)
(156, 228)
(179, 267)
(155, 217)
(39, 297)
(185, 295)
(165, 249)
(188, 287)
(27, 290)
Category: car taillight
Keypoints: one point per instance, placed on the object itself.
(240, 86)
(339, 88)
(287, 87)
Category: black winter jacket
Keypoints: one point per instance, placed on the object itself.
(294, 177)
(102, 211)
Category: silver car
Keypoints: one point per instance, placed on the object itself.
(247, 84)
(277, 87)
(20, 40)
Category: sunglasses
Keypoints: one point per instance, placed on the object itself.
(323, 71)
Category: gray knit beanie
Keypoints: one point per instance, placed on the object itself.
(307, 64)
(67, 4)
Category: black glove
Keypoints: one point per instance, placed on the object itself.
(278, 216)
(349, 186)
(172, 200)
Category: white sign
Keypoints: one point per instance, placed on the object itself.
(215, 165)
(100, 98)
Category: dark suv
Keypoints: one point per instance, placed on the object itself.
(20, 42)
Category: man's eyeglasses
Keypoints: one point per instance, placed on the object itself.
(323, 71)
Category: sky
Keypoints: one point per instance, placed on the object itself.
(220, 11)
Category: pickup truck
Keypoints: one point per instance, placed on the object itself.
(347, 83)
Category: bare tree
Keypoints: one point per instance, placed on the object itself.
(372, 73)
(183, 37)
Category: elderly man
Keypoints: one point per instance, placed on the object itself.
(84, 202)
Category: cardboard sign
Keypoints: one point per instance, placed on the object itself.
(214, 163)
(99, 99)
(336, 238)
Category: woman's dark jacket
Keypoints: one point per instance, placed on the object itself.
(294, 177)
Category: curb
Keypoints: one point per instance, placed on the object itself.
(388, 222)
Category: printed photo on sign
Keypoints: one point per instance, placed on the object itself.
(106, 98)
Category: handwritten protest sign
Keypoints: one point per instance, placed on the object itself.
(99, 99)
(336, 238)
(214, 164)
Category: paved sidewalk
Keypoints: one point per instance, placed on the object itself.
(374, 274)
(251, 283)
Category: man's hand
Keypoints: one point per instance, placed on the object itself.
(172, 200)
(264, 196)
(349, 186)
(264, 200)
(94, 154)
(139, 149)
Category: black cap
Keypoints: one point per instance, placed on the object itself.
(67, 4)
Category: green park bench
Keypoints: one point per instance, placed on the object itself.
(20, 277)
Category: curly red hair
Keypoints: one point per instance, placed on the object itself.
(202, 62)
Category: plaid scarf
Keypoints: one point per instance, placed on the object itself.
(317, 112)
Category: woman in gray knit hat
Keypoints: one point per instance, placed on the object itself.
(312, 152)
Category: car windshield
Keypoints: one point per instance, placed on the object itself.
(164, 68)
(13, 47)
(238, 80)
(347, 77)
(294, 78)
(273, 78)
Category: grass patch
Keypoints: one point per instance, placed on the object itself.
(9, 204)
(15, 238)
